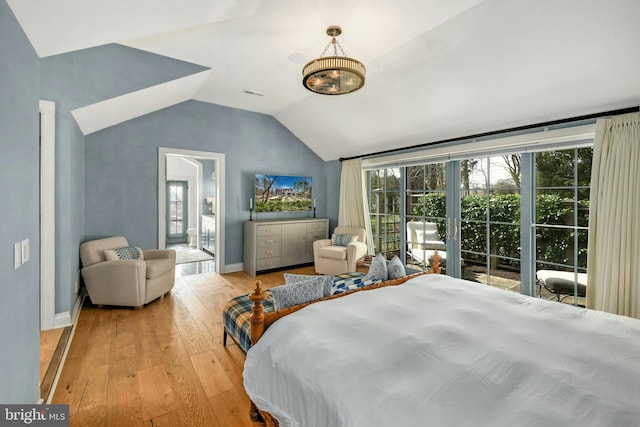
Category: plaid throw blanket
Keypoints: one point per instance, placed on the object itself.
(236, 315)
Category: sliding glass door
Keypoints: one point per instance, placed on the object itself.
(426, 214)
(385, 209)
(562, 223)
(490, 220)
(516, 221)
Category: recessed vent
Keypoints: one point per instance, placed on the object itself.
(250, 92)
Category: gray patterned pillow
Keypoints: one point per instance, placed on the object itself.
(295, 293)
(123, 253)
(378, 269)
(326, 281)
(342, 239)
(396, 268)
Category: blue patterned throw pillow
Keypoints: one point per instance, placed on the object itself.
(325, 281)
(123, 253)
(342, 239)
(396, 268)
(378, 269)
(295, 293)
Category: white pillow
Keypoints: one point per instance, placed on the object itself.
(326, 281)
(296, 293)
(396, 268)
(423, 236)
(378, 268)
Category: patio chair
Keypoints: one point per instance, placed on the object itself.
(562, 284)
(422, 241)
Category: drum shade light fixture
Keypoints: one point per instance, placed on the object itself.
(333, 75)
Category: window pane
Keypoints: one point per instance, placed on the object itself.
(555, 206)
(416, 178)
(583, 207)
(555, 169)
(584, 159)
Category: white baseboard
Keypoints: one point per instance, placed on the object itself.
(64, 319)
(232, 268)
(61, 320)
(73, 324)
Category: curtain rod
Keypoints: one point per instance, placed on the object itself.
(498, 132)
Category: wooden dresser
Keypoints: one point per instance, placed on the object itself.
(278, 243)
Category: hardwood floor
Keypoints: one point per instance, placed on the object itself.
(163, 365)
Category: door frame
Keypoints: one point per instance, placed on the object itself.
(47, 214)
(219, 159)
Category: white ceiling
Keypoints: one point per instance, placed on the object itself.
(436, 69)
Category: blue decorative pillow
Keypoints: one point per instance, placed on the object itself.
(295, 293)
(396, 268)
(378, 269)
(326, 281)
(342, 239)
(344, 285)
(123, 253)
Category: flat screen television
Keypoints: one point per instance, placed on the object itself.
(282, 193)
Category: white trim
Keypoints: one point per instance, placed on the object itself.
(530, 142)
(47, 214)
(219, 159)
(76, 315)
(64, 319)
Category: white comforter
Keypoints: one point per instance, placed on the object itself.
(438, 351)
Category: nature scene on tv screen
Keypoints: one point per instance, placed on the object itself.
(282, 193)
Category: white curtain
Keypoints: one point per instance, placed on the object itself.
(353, 210)
(613, 264)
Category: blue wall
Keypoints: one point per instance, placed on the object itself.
(74, 80)
(121, 163)
(106, 183)
(19, 193)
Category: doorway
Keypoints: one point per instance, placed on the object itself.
(211, 206)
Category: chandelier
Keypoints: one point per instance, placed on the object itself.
(333, 75)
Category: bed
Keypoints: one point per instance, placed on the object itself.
(236, 314)
(437, 351)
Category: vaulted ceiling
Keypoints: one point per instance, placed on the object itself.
(436, 69)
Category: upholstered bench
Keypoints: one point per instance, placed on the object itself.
(236, 315)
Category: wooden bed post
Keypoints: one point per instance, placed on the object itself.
(436, 262)
(257, 316)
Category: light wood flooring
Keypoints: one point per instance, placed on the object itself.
(163, 365)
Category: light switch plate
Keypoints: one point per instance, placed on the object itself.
(25, 250)
(17, 256)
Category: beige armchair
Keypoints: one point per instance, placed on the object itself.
(330, 259)
(126, 282)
